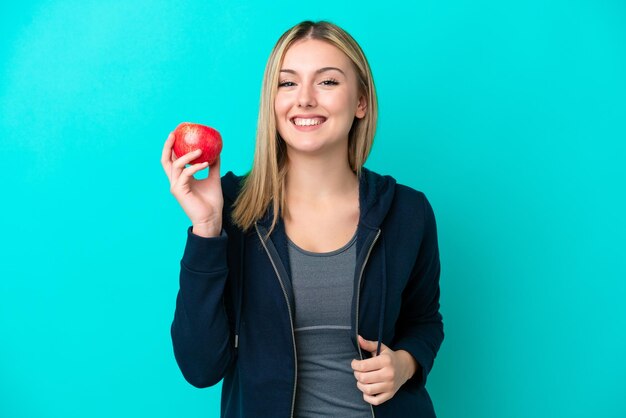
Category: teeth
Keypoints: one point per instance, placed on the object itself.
(307, 122)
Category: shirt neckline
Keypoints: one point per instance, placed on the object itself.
(323, 254)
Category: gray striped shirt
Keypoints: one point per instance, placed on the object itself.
(323, 287)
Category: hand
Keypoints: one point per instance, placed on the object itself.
(201, 200)
(380, 377)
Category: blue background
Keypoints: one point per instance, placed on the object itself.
(510, 116)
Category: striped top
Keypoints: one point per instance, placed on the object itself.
(323, 286)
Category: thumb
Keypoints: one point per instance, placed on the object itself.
(368, 345)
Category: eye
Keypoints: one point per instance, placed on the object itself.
(286, 84)
(330, 82)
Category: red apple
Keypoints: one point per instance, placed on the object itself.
(192, 136)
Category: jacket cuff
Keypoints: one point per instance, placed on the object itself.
(206, 255)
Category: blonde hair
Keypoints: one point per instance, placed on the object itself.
(264, 184)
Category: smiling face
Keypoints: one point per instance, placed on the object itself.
(317, 98)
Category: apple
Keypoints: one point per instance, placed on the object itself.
(192, 136)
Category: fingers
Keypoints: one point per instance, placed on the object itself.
(371, 364)
(186, 175)
(178, 166)
(377, 387)
(374, 389)
(378, 399)
(377, 376)
(166, 155)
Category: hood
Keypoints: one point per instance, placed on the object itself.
(231, 185)
(376, 194)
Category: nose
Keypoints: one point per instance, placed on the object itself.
(306, 96)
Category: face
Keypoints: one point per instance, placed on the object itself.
(317, 98)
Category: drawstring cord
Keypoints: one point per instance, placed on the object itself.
(383, 298)
(240, 295)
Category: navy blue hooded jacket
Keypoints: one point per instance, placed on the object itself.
(235, 306)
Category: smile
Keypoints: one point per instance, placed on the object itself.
(308, 121)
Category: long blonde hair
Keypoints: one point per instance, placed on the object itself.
(265, 184)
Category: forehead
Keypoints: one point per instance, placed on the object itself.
(314, 54)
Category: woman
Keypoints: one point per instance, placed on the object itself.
(310, 285)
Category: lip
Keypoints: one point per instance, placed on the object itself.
(307, 116)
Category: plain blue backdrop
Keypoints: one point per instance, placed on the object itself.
(510, 116)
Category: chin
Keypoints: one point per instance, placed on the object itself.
(311, 147)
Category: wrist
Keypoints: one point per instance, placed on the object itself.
(206, 230)
(410, 364)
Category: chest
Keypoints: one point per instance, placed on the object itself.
(321, 230)
(322, 285)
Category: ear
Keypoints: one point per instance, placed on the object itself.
(361, 108)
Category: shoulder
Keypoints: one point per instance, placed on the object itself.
(385, 198)
(405, 197)
(411, 207)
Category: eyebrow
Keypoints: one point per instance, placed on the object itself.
(321, 70)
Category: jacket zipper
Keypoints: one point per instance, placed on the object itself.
(293, 337)
(369, 251)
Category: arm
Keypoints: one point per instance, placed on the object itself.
(419, 329)
(200, 330)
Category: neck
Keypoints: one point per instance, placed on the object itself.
(318, 179)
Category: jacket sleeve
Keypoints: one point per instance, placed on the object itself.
(200, 330)
(420, 328)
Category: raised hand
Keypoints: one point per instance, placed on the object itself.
(201, 200)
